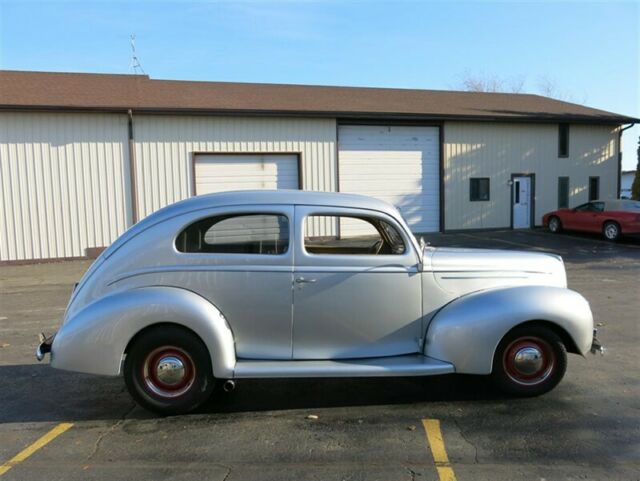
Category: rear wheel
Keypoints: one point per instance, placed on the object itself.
(555, 225)
(611, 231)
(168, 370)
(529, 361)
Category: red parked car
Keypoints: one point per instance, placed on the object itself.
(613, 218)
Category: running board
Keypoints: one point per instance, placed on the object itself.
(413, 365)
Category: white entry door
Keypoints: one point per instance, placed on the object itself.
(522, 199)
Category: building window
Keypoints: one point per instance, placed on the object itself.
(563, 140)
(594, 188)
(236, 234)
(563, 192)
(479, 189)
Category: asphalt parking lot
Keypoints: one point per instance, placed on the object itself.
(77, 427)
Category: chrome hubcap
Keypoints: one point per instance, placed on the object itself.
(553, 225)
(170, 370)
(528, 360)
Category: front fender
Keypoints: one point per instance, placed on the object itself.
(466, 332)
(94, 340)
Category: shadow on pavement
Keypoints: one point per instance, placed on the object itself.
(39, 393)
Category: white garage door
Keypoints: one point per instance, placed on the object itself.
(396, 164)
(222, 172)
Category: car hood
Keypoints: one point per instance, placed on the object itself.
(464, 270)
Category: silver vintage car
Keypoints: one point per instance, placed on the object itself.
(267, 284)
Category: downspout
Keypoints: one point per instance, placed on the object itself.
(132, 172)
(620, 156)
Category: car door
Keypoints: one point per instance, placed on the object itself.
(593, 223)
(585, 217)
(357, 285)
(241, 260)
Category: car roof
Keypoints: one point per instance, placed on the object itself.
(286, 197)
(621, 204)
(254, 197)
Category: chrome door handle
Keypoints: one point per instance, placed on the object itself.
(302, 280)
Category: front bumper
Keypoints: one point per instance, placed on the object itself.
(44, 347)
(596, 345)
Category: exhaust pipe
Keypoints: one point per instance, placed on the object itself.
(229, 385)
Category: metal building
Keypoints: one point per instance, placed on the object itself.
(84, 156)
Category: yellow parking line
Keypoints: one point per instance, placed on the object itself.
(29, 450)
(436, 443)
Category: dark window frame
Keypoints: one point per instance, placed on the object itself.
(563, 140)
(593, 197)
(475, 194)
(565, 204)
(216, 219)
(376, 223)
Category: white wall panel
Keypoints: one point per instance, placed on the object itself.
(497, 150)
(165, 146)
(63, 180)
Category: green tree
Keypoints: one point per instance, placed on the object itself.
(635, 187)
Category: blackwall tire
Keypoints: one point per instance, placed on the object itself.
(167, 370)
(555, 225)
(611, 231)
(529, 361)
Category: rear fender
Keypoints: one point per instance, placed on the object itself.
(466, 332)
(95, 339)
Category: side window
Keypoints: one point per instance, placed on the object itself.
(347, 235)
(479, 189)
(563, 192)
(563, 140)
(237, 234)
(597, 206)
(594, 188)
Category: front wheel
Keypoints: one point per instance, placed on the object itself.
(611, 231)
(167, 370)
(529, 361)
(555, 225)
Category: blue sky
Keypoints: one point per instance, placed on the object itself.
(590, 51)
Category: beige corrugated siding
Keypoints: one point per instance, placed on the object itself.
(497, 150)
(165, 145)
(63, 183)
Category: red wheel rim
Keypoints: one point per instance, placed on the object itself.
(168, 372)
(528, 360)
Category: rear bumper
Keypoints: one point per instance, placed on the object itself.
(596, 345)
(44, 347)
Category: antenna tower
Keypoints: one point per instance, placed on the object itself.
(135, 63)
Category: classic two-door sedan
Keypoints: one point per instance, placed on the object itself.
(267, 284)
(612, 218)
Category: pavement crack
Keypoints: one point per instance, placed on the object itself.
(412, 473)
(112, 428)
(226, 476)
(467, 440)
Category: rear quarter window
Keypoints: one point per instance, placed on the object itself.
(266, 234)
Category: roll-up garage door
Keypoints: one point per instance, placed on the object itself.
(223, 172)
(397, 164)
